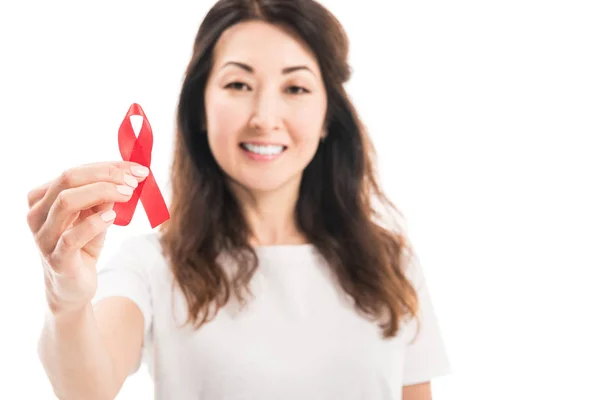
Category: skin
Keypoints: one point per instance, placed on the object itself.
(265, 105)
(100, 346)
(85, 353)
(419, 391)
(268, 105)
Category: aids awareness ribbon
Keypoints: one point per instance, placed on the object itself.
(139, 150)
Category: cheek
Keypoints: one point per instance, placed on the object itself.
(223, 117)
(224, 123)
(306, 127)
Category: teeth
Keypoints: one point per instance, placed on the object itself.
(268, 150)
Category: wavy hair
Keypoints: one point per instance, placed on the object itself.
(338, 192)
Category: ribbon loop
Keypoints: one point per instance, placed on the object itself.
(139, 150)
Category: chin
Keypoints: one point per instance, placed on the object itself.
(267, 184)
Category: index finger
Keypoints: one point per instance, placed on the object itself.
(111, 171)
(38, 193)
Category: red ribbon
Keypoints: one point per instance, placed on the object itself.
(139, 150)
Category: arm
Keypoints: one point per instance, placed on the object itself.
(89, 353)
(419, 391)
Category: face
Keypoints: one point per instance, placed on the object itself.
(265, 106)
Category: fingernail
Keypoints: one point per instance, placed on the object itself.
(140, 171)
(131, 181)
(125, 189)
(108, 215)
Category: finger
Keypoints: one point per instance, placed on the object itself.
(137, 169)
(71, 202)
(93, 210)
(94, 246)
(37, 193)
(73, 239)
(119, 172)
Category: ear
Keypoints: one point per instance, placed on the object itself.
(324, 135)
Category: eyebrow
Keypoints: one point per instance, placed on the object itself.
(286, 70)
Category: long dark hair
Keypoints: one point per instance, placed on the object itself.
(336, 207)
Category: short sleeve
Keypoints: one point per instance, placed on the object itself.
(126, 273)
(426, 356)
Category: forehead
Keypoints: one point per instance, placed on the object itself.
(264, 46)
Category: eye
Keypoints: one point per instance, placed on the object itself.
(236, 85)
(298, 89)
(240, 86)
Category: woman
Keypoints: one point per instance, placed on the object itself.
(274, 278)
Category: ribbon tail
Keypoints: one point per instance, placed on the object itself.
(153, 202)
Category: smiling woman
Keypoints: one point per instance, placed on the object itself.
(267, 150)
(269, 101)
(275, 277)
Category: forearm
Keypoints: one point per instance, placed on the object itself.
(75, 358)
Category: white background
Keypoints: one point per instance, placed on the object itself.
(486, 115)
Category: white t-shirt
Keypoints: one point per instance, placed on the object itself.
(298, 338)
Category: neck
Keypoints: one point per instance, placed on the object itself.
(271, 215)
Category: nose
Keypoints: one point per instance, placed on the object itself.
(266, 117)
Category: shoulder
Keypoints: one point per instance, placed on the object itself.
(396, 225)
(412, 267)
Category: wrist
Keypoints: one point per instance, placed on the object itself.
(68, 311)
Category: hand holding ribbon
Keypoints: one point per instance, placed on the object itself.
(139, 150)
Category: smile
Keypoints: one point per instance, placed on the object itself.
(262, 152)
(265, 150)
